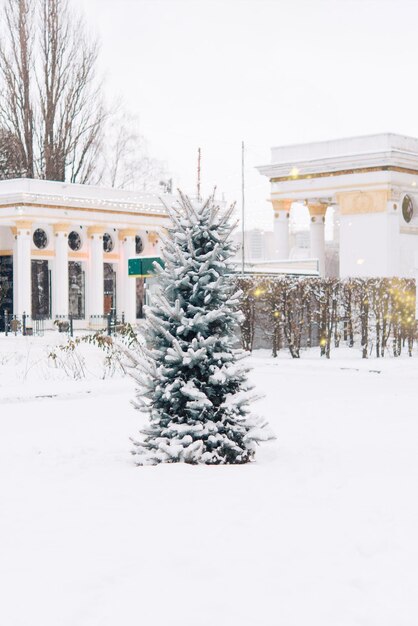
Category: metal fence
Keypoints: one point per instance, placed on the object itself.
(27, 325)
(107, 323)
(22, 324)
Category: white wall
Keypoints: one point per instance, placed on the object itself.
(409, 249)
(369, 245)
(6, 238)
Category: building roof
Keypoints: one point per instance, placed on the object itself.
(25, 191)
(370, 151)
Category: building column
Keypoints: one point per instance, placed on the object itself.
(127, 284)
(60, 274)
(22, 273)
(95, 277)
(317, 212)
(281, 227)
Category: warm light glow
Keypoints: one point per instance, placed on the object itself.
(258, 292)
(294, 172)
(360, 261)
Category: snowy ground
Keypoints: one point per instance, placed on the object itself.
(321, 530)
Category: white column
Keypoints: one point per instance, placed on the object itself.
(317, 212)
(127, 284)
(15, 276)
(416, 282)
(95, 277)
(23, 276)
(336, 225)
(281, 228)
(60, 273)
(393, 245)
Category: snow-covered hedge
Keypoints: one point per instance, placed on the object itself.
(376, 314)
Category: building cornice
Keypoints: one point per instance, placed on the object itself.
(63, 207)
(349, 154)
(364, 170)
(31, 192)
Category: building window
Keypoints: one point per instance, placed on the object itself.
(41, 290)
(6, 288)
(109, 288)
(407, 209)
(40, 239)
(108, 244)
(140, 298)
(76, 290)
(74, 240)
(139, 244)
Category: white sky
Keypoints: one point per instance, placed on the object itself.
(212, 73)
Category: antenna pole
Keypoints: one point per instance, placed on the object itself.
(243, 209)
(199, 156)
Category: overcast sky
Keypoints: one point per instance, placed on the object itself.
(212, 73)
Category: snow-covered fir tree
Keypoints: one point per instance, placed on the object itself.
(191, 382)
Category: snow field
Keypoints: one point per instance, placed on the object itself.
(320, 530)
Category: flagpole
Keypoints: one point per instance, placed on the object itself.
(243, 209)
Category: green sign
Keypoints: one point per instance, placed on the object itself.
(143, 266)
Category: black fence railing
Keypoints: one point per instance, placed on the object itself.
(24, 324)
(108, 323)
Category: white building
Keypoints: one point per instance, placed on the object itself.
(372, 184)
(64, 249)
(259, 244)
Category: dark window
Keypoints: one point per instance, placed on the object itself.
(407, 209)
(140, 296)
(139, 244)
(76, 290)
(40, 238)
(6, 288)
(41, 290)
(108, 244)
(74, 240)
(109, 290)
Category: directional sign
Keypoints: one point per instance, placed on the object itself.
(143, 266)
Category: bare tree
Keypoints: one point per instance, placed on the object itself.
(126, 161)
(16, 62)
(250, 293)
(50, 98)
(11, 162)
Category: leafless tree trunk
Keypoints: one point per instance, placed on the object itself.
(294, 299)
(16, 69)
(248, 309)
(364, 308)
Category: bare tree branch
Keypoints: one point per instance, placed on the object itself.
(50, 98)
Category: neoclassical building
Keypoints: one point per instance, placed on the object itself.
(372, 184)
(64, 249)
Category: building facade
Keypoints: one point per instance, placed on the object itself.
(372, 185)
(64, 249)
(258, 243)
